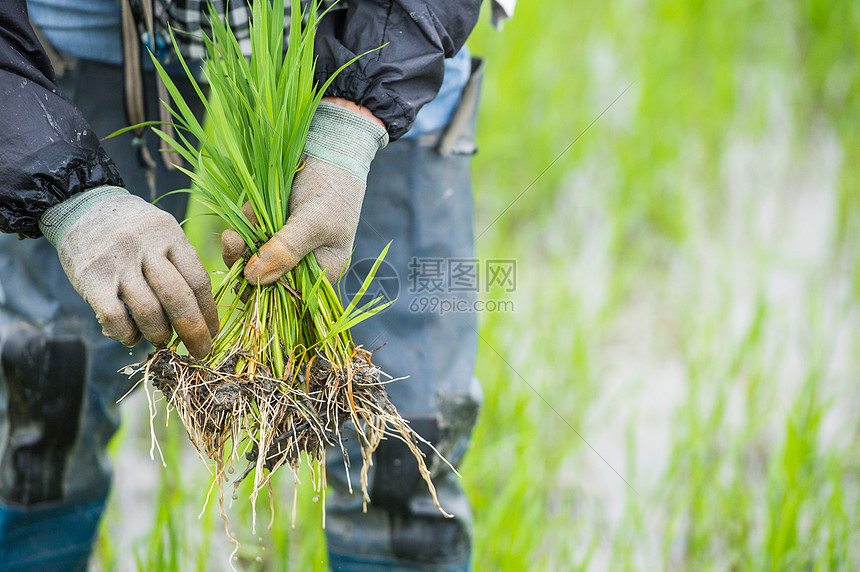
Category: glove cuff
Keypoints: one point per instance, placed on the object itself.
(57, 220)
(345, 139)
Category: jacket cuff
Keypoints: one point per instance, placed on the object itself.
(345, 139)
(59, 219)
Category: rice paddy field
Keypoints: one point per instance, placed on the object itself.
(674, 381)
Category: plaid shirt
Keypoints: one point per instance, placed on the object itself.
(189, 20)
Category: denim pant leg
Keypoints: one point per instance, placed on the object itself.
(58, 377)
(422, 202)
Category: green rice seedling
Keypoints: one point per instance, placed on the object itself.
(284, 376)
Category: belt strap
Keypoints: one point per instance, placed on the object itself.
(463, 116)
(135, 104)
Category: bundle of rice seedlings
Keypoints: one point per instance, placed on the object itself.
(284, 376)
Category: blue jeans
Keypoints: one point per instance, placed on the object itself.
(59, 382)
(420, 200)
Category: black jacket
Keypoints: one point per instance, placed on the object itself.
(48, 152)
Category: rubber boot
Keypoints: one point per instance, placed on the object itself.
(45, 388)
(402, 530)
(44, 382)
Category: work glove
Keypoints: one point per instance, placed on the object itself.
(131, 262)
(325, 199)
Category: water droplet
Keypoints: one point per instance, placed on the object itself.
(235, 496)
(316, 498)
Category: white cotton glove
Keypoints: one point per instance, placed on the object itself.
(325, 199)
(132, 263)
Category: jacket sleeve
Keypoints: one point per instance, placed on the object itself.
(395, 81)
(48, 151)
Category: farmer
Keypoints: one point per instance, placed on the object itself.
(100, 263)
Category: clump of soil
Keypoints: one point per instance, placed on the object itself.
(232, 415)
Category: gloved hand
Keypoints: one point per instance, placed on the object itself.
(133, 264)
(325, 200)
